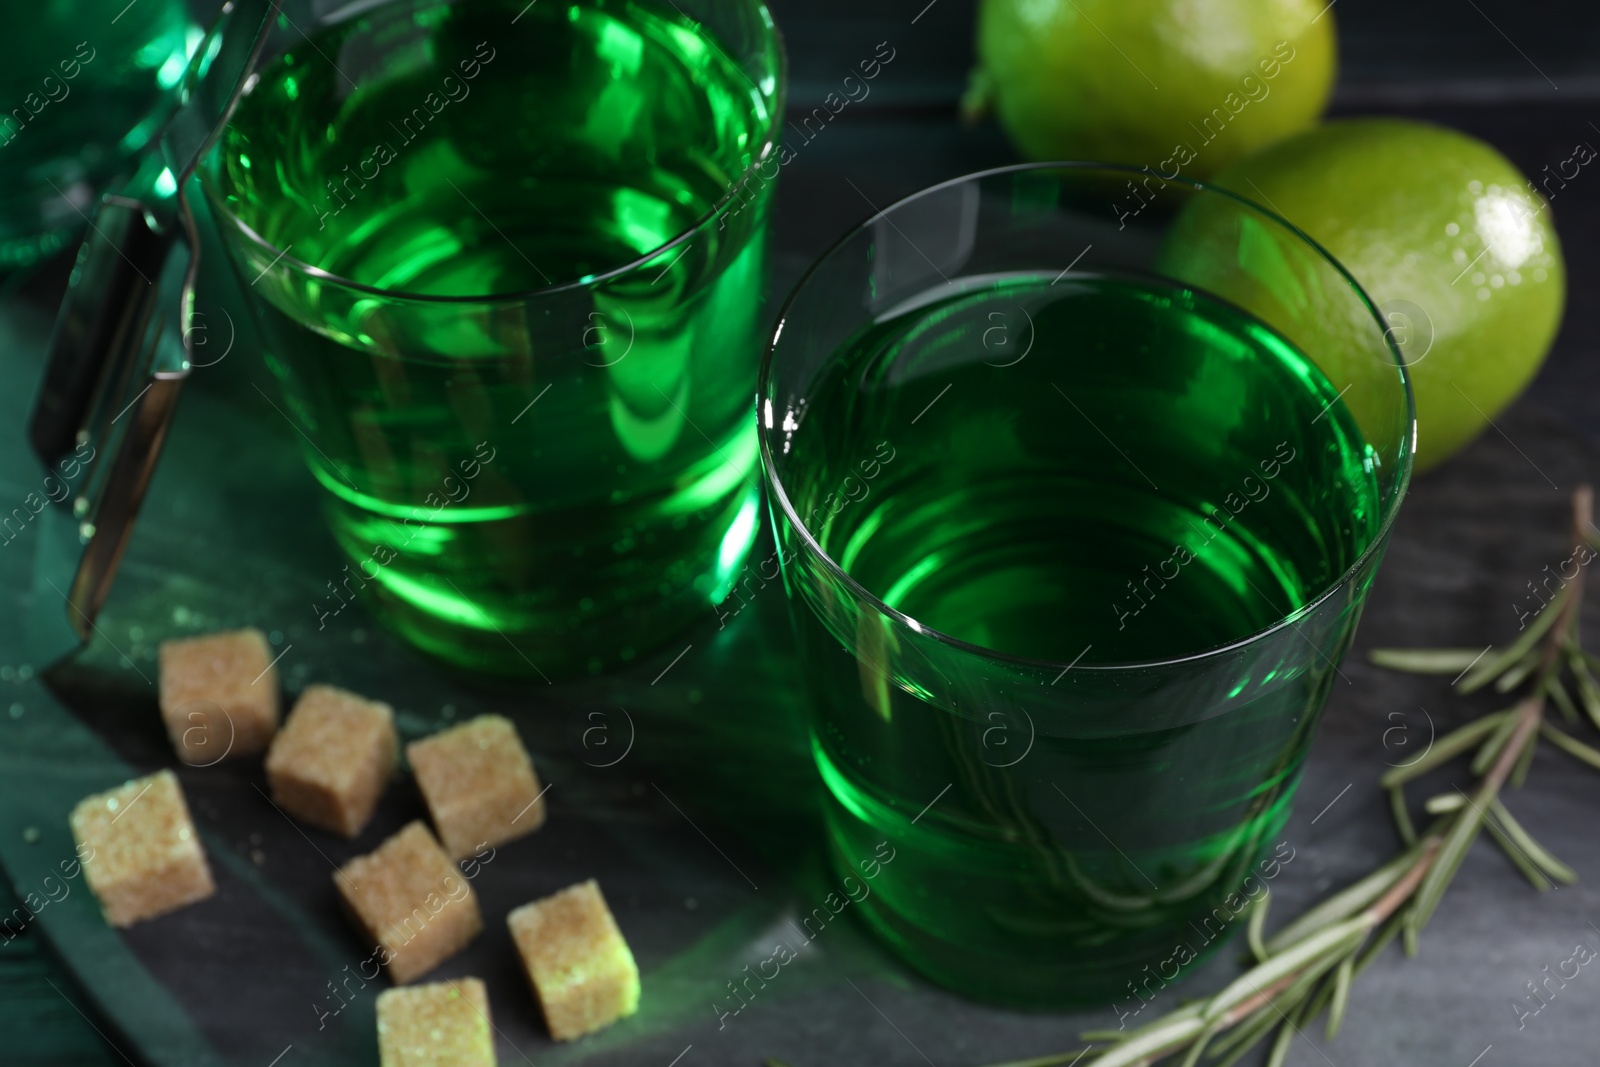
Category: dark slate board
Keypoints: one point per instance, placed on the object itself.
(719, 741)
(232, 535)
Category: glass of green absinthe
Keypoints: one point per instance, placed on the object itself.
(1079, 478)
(508, 262)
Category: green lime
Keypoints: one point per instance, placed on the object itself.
(1448, 238)
(1177, 85)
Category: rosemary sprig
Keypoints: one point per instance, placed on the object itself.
(1307, 967)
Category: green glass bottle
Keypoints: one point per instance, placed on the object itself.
(84, 89)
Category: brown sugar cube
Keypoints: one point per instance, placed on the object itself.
(219, 695)
(479, 784)
(410, 901)
(141, 854)
(443, 1024)
(579, 965)
(330, 762)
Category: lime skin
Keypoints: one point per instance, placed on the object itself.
(1455, 247)
(1176, 85)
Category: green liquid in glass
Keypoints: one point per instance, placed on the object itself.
(472, 157)
(1103, 470)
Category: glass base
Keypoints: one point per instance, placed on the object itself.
(548, 621)
(988, 926)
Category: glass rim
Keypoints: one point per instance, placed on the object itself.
(769, 148)
(1391, 507)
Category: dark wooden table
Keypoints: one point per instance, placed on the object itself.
(231, 536)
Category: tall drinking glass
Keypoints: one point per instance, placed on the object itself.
(1079, 479)
(508, 263)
